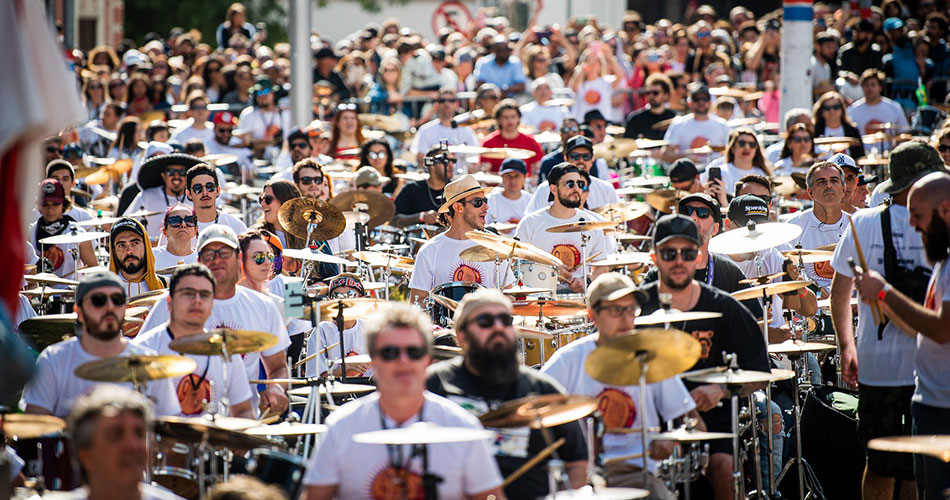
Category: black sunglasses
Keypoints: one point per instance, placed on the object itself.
(265, 200)
(208, 186)
(99, 299)
(580, 156)
(391, 352)
(701, 212)
(178, 220)
(669, 254)
(299, 145)
(477, 202)
(306, 181)
(180, 172)
(943, 148)
(582, 185)
(220, 130)
(833, 107)
(487, 320)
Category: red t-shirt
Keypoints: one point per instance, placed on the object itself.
(523, 141)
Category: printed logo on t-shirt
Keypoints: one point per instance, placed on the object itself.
(872, 125)
(547, 125)
(193, 392)
(698, 142)
(824, 270)
(55, 256)
(705, 341)
(617, 408)
(464, 272)
(592, 97)
(568, 254)
(930, 300)
(390, 484)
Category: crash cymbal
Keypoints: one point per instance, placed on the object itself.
(170, 269)
(378, 206)
(298, 214)
(761, 280)
(316, 256)
(742, 240)
(46, 291)
(665, 200)
(727, 92)
(387, 123)
(135, 368)
(502, 153)
(651, 143)
(69, 238)
(352, 308)
(381, 259)
(287, 429)
(769, 289)
(935, 445)
(826, 303)
(525, 290)
(25, 426)
(663, 316)
(47, 330)
(690, 436)
(49, 279)
(668, 351)
(850, 141)
(617, 148)
(482, 254)
(147, 298)
(98, 221)
(548, 308)
(512, 248)
(705, 150)
(798, 347)
(808, 256)
(466, 149)
(212, 342)
(532, 333)
(336, 389)
(487, 178)
(624, 259)
(141, 213)
(581, 226)
(589, 493)
(220, 159)
(245, 190)
(547, 410)
(623, 212)
(423, 433)
(732, 377)
(226, 432)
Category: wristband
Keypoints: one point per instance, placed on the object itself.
(803, 293)
(884, 291)
(422, 217)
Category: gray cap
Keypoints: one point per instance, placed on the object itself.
(218, 233)
(97, 279)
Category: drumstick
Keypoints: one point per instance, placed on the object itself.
(264, 415)
(592, 257)
(875, 309)
(321, 351)
(623, 458)
(534, 461)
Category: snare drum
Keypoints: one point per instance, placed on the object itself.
(50, 458)
(536, 275)
(532, 347)
(277, 468)
(454, 290)
(174, 466)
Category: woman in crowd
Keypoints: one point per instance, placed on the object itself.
(377, 154)
(126, 144)
(384, 96)
(538, 64)
(93, 97)
(138, 98)
(180, 229)
(346, 133)
(830, 116)
(743, 156)
(276, 193)
(798, 151)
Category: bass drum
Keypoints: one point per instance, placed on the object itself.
(49, 458)
(454, 290)
(278, 468)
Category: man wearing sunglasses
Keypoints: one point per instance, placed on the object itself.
(264, 120)
(100, 310)
(130, 256)
(640, 123)
(225, 142)
(579, 152)
(400, 342)
(508, 116)
(180, 230)
(446, 107)
(569, 128)
(488, 375)
(676, 248)
(612, 306)
(418, 202)
(161, 180)
(342, 286)
(696, 129)
(203, 191)
(309, 178)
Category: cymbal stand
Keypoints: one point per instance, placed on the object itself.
(204, 449)
(311, 410)
(644, 358)
(763, 300)
(339, 327)
(584, 239)
(756, 458)
(814, 489)
(557, 475)
(732, 361)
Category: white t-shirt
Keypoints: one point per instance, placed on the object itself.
(502, 209)
(597, 94)
(24, 310)
(601, 193)
(543, 117)
(886, 111)
(245, 310)
(59, 256)
(431, 133)
(134, 288)
(933, 371)
(774, 151)
(164, 258)
(438, 262)
(189, 132)
(155, 199)
(889, 361)
(362, 471)
(207, 381)
(55, 387)
(731, 175)
(564, 246)
(815, 234)
(687, 132)
(619, 405)
(326, 333)
(226, 219)
(148, 491)
(257, 121)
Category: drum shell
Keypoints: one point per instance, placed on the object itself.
(536, 275)
(454, 290)
(277, 468)
(59, 470)
(174, 466)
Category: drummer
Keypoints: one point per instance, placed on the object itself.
(508, 116)
(100, 306)
(180, 228)
(130, 256)
(443, 128)
(190, 297)
(343, 285)
(489, 375)
(510, 202)
(438, 260)
(162, 182)
(419, 201)
(612, 306)
(579, 152)
(400, 342)
(676, 245)
(567, 183)
(203, 192)
(65, 173)
(53, 221)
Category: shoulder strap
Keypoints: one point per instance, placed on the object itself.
(890, 258)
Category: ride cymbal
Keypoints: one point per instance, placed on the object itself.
(298, 214)
(378, 206)
(135, 368)
(668, 353)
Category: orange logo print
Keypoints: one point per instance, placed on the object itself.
(390, 484)
(569, 255)
(592, 97)
(193, 391)
(55, 256)
(824, 270)
(617, 408)
(705, 340)
(467, 273)
(546, 125)
(698, 142)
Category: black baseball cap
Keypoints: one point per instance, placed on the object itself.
(578, 141)
(513, 165)
(670, 227)
(748, 207)
(683, 170)
(562, 169)
(705, 199)
(592, 115)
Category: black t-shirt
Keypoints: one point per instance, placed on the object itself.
(735, 332)
(640, 123)
(452, 380)
(726, 277)
(416, 197)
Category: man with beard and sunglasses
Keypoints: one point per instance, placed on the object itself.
(579, 151)
(488, 375)
(130, 256)
(203, 191)
(100, 307)
(676, 244)
(929, 324)
(877, 357)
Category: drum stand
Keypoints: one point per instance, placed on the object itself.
(814, 489)
(584, 239)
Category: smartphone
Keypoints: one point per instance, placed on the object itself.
(715, 173)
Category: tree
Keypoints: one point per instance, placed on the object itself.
(160, 16)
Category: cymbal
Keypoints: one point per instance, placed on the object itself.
(382, 122)
(26, 426)
(532, 333)
(109, 202)
(705, 150)
(937, 446)
(761, 280)
(487, 178)
(98, 221)
(689, 436)
(49, 279)
(296, 215)
(548, 308)
(662, 316)
(633, 191)
(412, 176)
(466, 149)
(623, 260)
(352, 308)
(316, 256)
(45, 291)
(220, 159)
(382, 259)
(798, 347)
(525, 290)
(826, 303)
(336, 389)
(423, 433)
(617, 148)
(665, 200)
(47, 330)
(651, 143)
(503, 227)
(769, 289)
(445, 302)
(378, 206)
(668, 351)
(135, 368)
(141, 213)
(581, 226)
(623, 212)
(765, 235)
(287, 429)
(547, 410)
(633, 238)
(443, 352)
(732, 377)
(147, 298)
(502, 153)
(356, 358)
(829, 247)
(170, 269)
(809, 256)
(852, 141)
(779, 374)
(589, 493)
(225, 432)
(662, 125)
(211, 342)
(562, 101)
(548, 137)
(68, 238)
(512, 248)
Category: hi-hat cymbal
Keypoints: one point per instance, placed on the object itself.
(512, 248)
(316, 256)
(226, 432)
(26, 426)
(525, 290)
(617, 148)
(502, 153)
(382, 259)
(336, 389)
(547, 410)
(423, 433)
(212, 342)
(662, 316)
(668, 352)
(829, 247)
(761, 280)
(68, 238)
(49, 279)
(742, 240)
(287, 429)
(633, 238)
(548, 308)
(779, 374)
(808, 256)
(624, 259)
(798, 347)
(135, 368)
(665, 200)
(690, 436)
(937, 446)
(623, 212)
(387, 123)
(769, 289)
(352, 308)
(46, 291)
(851, 141)
(297, 214)
(377, 205)
(586, 225)
(732, 377)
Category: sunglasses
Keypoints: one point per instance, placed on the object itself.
(307, 180)
(171, 172)
(209, 255)
(266, 200)
(492, 97)
(260, 258)
(178, 220)
(801, 138)
(570, 130)
(669, 254)
(299, 145)
(745, 144)
(582, 185)
(701, 212)
(208, 186)
(487, 320)
(943, 148)
(220, 130)
(477, 202)
(374, 155)
(99, 299)
(653, 92)
(833, 107)
(702, 34)
(95, 87)
(580, 156)
(391, 352)
(191, 293)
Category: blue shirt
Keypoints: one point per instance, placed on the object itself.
(506, 75)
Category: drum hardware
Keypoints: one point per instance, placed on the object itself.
(683, 467)
(135, 369)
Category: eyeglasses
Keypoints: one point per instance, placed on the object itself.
(260, 257)
(618, 311)
(376, 155)
(582, 185)
(171, 172)
(209, 255)
(745, 144)
(178, 220)
(210, 187)
(99, 299)
(346, 106)
(832, 107)
(307, 180)
(487, 320)
(477, 202)
(701, 212)
(944, 148)
(580, 156)
(570, 130)
(191, 293)
(669, 254)
(391, 352)
(801, 138)
(220, 130)
(299, 145)
(266, 200)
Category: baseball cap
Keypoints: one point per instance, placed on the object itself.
(52, 190)
(670, 227)
(58, 164)
(683, 170)
(349, 280)
(592, 115)
(225, 118)
(578, 141)
(696, 88)
(90, 281)
(844, 161)
(217, 233)
(893, 23)
(296, 133)
(610, 286)
(127, 224)
(748, 207)
(705, 199)
(513, 165)
(369, 175)
(473, 301)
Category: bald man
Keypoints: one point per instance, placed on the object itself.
(929, 323)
